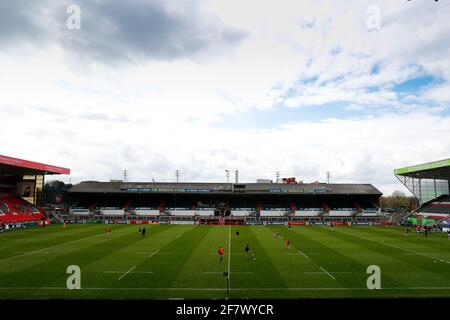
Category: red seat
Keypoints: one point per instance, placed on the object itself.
(18, 210)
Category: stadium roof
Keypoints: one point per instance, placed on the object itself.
(220, 188)
(16, 166)
(432, 170)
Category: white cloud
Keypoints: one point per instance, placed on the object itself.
(153, 116)
(440, 93)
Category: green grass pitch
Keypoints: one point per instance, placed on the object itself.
(181, 261)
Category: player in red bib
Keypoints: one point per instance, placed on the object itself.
(288, 243)
(221, 252)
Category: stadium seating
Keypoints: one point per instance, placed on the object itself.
(437, 209)
(3, 209)
(14, 209)
(440, 208)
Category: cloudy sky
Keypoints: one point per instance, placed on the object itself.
(356, 88)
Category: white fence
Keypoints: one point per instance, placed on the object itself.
(182, 212)
(272, 213)
(241, 213)
(341, 213)
(308, 213)
(205, 212)
(81, 212)
(112, 212)
(146, 212)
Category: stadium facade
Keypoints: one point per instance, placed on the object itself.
(225, 202)
(21, 189)
(430, 184)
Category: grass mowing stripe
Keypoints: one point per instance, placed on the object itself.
(269, 265)
(411, 239)
(434, 239)
(176, 268)
(47, 271)
(323, 270)
(402, 269)
(41, 236)
(38, 245)
(395, 247)
(408, 250)
(204, 258)
(224, 289)
(187, 266)
(290, 268)
(158, 237)
(52, 247)
(333, 256)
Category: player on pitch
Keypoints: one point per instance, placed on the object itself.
(288, 243)
(221, 252)
(248, 252)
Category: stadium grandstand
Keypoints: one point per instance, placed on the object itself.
(225, 203)
(21, 190)
(430, 184)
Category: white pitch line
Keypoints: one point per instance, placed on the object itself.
(153, 253)
(120, 278)
(135, 266)
(303, 254)
(327, 272)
